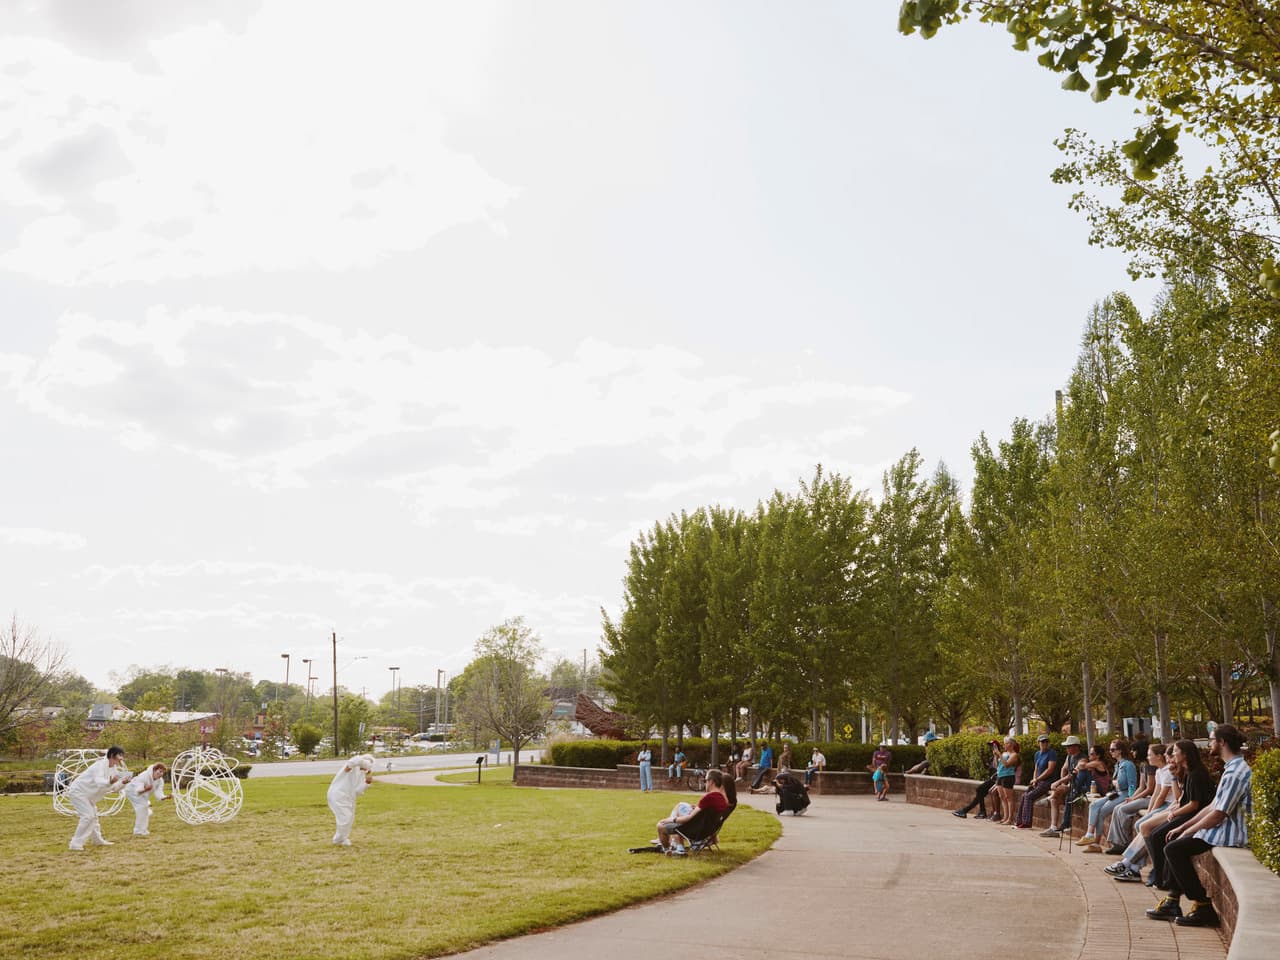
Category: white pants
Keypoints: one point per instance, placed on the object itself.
(141, 813)
(88, 828)
(344, 812)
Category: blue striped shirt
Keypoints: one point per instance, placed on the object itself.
(1235, 799)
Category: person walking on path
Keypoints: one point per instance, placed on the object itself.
(1223, 823)
(103, 776)
(349, 783)
(645, 759)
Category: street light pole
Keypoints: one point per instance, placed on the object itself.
(436, 725)
(285, 658)
(308, 661)
(395, 696)
(335, 693)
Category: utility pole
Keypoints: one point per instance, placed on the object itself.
(335, 693)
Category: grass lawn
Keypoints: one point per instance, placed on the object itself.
(432, 870)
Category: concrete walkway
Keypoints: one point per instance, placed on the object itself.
(854, 878)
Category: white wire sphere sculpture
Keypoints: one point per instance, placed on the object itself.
(74, 763)
(205, 788)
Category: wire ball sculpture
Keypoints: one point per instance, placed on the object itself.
(74, 763)
(205, 788)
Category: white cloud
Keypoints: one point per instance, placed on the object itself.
(35, 537)
(269, 398)
(246, 151)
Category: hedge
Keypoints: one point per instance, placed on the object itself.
(22, 782)
(607, 754)
(1264, 825)
(966, 754)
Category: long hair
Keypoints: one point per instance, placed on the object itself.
(1190, 754)
(725, 782)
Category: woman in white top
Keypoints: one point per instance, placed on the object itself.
(86, 790)
(1163, 796)
(349, 782)
(149, 783)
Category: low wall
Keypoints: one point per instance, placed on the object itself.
(1245, 893)
(627, 777)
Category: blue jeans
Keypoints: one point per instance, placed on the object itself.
(646, 776)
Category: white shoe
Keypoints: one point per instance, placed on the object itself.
(142, 833)
(345, 843)
(104, 843)
(73, 846)
(676, 850)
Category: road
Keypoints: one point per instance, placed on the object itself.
(408, 762)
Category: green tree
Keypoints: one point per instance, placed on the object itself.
(29, 667)
(503, 692)
(307, 736)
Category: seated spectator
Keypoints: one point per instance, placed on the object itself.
(735, 754)
(784, 760)
(1163, 796)
(881, 758)
(921, 767)
(1120, 831)
(1006, 775)
(1196, 793)
(817, 762)
(765, 765)
(1224, 823)
(720, 796)
(745, 763)
(1123, 785)
(676, 769)
(980, 795)
(1046, 766)
(1061, 793)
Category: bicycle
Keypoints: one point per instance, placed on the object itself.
(695, 779)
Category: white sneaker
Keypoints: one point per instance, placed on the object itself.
(105, 843)
(142, 833)
(676, 850)
(75, 846)
(345, 843)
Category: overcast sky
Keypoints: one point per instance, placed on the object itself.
(400, 319)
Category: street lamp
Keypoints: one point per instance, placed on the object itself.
(308, 661)
(439, 674)
(395, 696)
(285, 658)
(222, 707)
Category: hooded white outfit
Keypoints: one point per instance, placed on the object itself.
(85, 792)
(348, 784)
(140, 790)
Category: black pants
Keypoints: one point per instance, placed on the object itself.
(764, 772)
(1156, 841)
(1180, 871)
(980, 796)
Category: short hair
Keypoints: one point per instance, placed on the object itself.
(113, 752)
(1228, 734)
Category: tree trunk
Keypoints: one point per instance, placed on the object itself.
(1273, 660)
(1225, 691)
(1087, 686)
(1162, 687)
(1113, 716)
(715, 742)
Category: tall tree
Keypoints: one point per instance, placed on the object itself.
(29, 666)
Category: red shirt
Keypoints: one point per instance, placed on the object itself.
(713, 801)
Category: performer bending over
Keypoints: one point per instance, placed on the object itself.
(105, 775)
(140, 790)
(349, 782)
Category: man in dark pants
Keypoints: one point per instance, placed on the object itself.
(1220, 824)
(985, 787)
(1041, 783)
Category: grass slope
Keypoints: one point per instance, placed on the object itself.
(433, 870)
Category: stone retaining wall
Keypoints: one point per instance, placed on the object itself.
(627, 777)
(1245, 893)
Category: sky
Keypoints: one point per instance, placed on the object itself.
(399, 320)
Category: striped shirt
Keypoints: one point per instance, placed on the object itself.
(1235, 799)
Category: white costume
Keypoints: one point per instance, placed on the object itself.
(83, 795)
(140, 790)
(348, 783)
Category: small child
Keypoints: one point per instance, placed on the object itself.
(881, 783)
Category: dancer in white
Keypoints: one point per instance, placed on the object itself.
(91, 786)
(349, 782)
(150, 782)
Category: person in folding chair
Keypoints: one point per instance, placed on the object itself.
(699, 827)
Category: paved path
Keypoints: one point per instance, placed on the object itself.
(944, 888)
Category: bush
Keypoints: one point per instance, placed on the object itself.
(1264, 825)
(966, 754)
(22, 782)
(607, 754)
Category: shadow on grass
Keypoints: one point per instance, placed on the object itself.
(431, 871)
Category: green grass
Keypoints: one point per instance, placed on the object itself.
(431, 871)
(496, 776)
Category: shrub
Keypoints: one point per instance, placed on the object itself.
(1264, 825)
(22, 782)
(966, 754)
